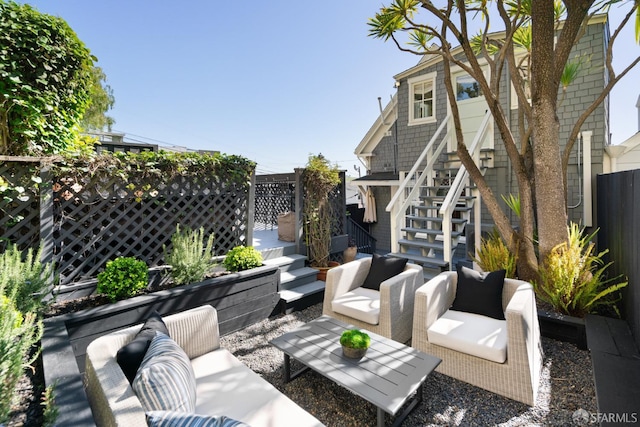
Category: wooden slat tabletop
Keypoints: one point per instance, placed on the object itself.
(386, 376)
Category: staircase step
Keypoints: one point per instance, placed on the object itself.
(301, 297)
(429, 231)
(458, 208)
(287, 262)
(435, 219)
(437, 262)
(442, 197)
(295, 278)
(422, 244)
(290, 295)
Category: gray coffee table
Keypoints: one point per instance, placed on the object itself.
(386, 376)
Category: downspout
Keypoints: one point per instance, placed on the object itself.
(580, 187)
(587, 179)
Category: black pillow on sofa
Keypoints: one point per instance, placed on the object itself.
(130, 356)
(479, 293)
(383, 268)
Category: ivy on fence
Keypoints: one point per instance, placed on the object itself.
(126, 204)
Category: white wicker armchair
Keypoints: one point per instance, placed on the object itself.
(518, 377)
(396, 297)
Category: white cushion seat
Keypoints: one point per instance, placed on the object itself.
(470, 333)
(226, 386)
(360, 303)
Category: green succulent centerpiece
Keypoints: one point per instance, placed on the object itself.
(354, 343)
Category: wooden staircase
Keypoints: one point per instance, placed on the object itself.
(422, 240)
(435, 203)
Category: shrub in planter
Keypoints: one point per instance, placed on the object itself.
(18, 334)
(573, 279)
(242, 258)
(25, 279)
(190, 258)
(122, 278)
(494, 255)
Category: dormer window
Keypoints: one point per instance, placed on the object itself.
(422, 99)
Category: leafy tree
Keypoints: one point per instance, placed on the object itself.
(102, 100)
(545, 31)
(47, 76)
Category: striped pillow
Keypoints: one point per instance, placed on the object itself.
(180, 419)
(165, 380)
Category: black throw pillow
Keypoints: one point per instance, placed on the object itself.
(479, 293)
(130, 356)
(383, 268)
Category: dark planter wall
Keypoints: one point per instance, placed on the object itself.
(241, 299)
(563, 328)
(618, 214)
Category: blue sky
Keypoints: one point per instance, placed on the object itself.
(272, 81)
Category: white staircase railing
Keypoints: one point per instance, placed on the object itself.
(398, 204)
(455, 191)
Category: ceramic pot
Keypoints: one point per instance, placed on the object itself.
(350, 253)
(322, 271)
(353, 353)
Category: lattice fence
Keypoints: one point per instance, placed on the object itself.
(93, 222)
(275, 194)
(19, 210)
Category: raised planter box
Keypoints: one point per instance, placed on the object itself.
(562, 327)
(241, 299)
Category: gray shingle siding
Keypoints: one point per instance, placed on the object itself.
(411, 140)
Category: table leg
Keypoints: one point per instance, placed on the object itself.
(412, 404)
(380, 417)
(288, 376)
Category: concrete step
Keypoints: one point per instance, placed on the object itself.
(287, 262)
(277, 252)
(295, 278)
(299, 292)
(302, 296)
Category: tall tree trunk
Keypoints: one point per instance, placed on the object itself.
(552, 214)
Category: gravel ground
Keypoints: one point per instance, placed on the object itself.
(566, 386)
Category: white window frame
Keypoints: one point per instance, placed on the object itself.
(514, 95)
(412, 82)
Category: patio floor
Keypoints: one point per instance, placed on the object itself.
(566, 386)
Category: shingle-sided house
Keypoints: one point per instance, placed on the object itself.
(412, 165)
(625, 156)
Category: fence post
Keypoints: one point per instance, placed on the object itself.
(46, 216)
(252, 209)
(301, 248)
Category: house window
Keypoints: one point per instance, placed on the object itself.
(467, 88)
(422, 99)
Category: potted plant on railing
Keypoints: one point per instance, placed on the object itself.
(319, 178)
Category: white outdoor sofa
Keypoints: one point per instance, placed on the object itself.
(224, 385)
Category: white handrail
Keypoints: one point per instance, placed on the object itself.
(456, 188)
(455, 191)
(413, 170)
